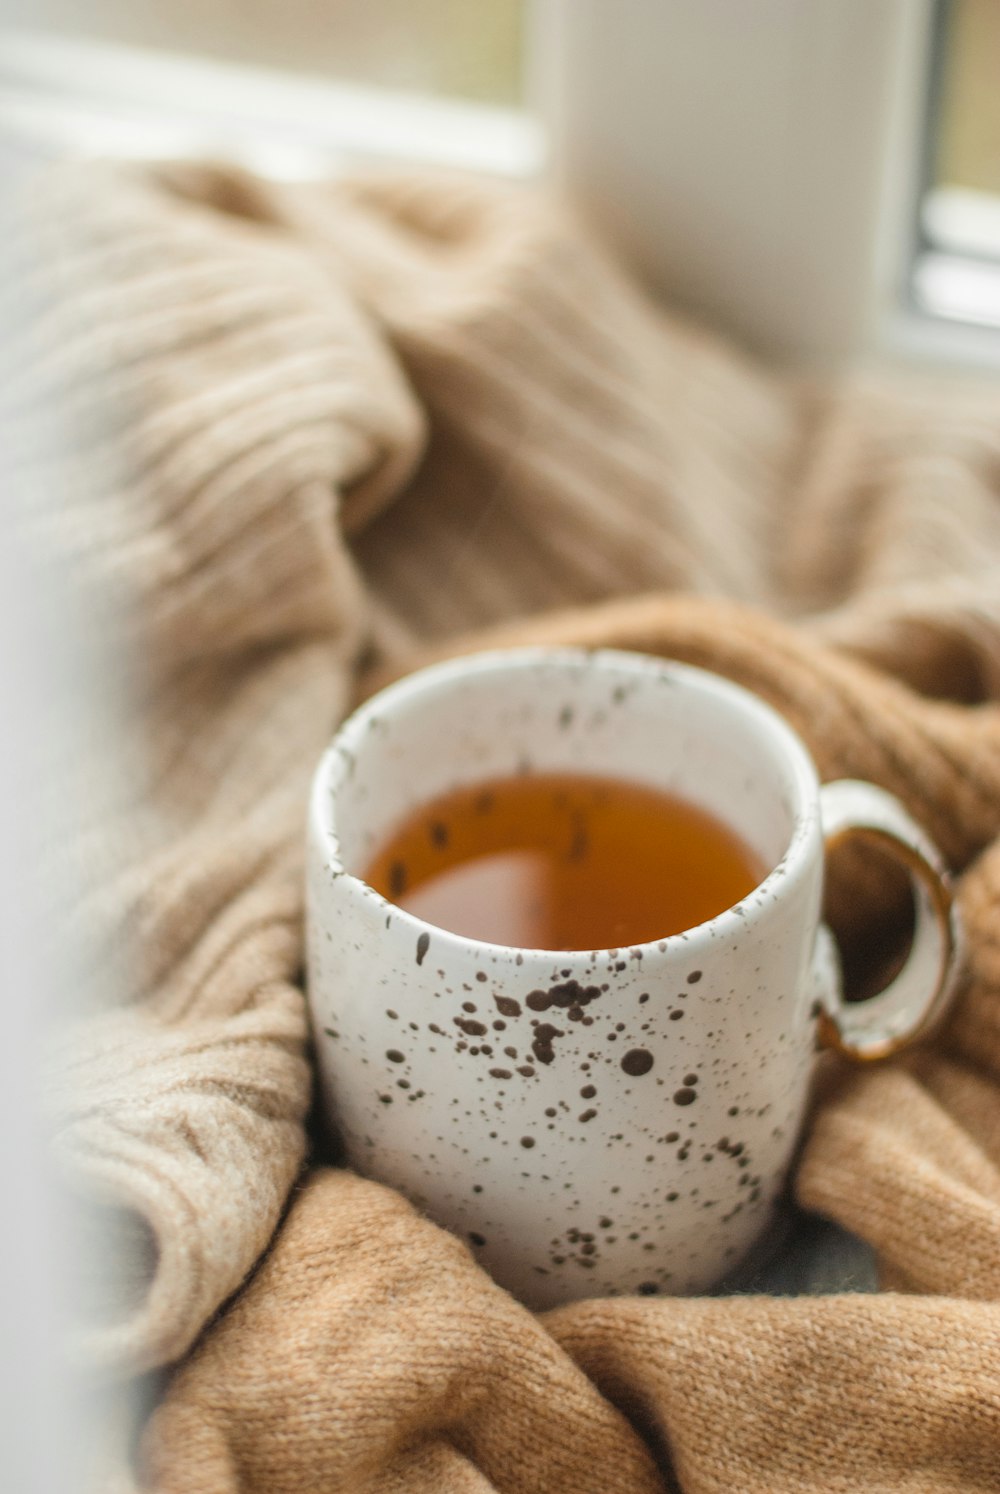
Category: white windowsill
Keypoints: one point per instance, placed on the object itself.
(90, 98)
(957, 220)
(915, 338)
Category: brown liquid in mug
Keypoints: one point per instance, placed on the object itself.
(563, 861)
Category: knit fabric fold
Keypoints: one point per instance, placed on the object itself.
(316, 435)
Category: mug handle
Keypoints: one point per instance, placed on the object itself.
(918, 997)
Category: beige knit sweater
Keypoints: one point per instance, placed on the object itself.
(317, 431)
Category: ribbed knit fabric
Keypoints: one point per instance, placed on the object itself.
(319, 434)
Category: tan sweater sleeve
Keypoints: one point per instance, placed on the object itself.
(221, 402)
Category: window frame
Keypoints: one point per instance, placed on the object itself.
(956, 262)
(798, 272)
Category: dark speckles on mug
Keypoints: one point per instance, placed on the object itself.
(587, 1115)
(685, 1096)
(470, 1027)
(543, 1040)
(507, 1006)
(394, 1056)
(694, 977)
(423, 945)
(568, 995)
(476, 1238)
(527, 1142)
(636, 1062)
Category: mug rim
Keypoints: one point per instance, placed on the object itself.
(336, 765)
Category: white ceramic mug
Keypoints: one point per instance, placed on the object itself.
(646, 1148)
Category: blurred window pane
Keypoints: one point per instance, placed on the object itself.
(957, 269)
(968, 146)
(447, 47)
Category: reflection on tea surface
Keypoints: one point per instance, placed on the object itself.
(560, 861)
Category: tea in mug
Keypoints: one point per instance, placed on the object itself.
(562, 861)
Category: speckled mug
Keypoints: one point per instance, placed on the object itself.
(608, 1120)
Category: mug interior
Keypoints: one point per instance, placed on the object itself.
(663, 725)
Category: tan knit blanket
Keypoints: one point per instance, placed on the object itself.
(321, 432)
